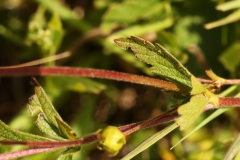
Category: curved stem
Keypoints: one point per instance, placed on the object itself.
(93, 73)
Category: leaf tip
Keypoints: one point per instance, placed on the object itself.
(34, 82)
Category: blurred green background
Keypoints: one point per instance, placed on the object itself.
(34, 29)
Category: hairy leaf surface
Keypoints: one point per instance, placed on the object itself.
(162, 62)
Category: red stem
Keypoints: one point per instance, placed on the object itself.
(228, 101)
(127, 129)
(27, 152)
(93, 73)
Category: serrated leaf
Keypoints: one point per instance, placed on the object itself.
(47, 128)
(213, 115)
(14, 135)
(190, 111)
(163, 63)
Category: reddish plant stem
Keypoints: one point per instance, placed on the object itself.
(229, 101)
(127, 129)
(163, 118)
(27, 152)
(93, 73)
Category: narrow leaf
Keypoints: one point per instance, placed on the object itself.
(213, 76)
(50, 114)
(69, 151)
(233, 150)
(65, 129)
(47, 128)
(163, 63)
(150, 141)
(228, 5)
(14, 135)
(46, 105)
(233, 17)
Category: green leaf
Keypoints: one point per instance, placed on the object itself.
(234, 149)
(33, 104)
(213, 115)
(184, 31)
(46, 105)
(56, 32)
(198, 88)
(163, 63)
(11, 36)
(47, 128)
(233, 17)
(65, 13)
(111, 18)
(69, 151)
(230, 57)
(50, 114)
(78, 84)
(65, 157)
(150, 141)
(139, 30)
(14, 135)
(65, 129)
(190, 111)
(229, 5)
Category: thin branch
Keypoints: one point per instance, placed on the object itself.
(93, 73)
(27, 152)
(41, 61)
(198, 53)
(225, 82)
(127, 129)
